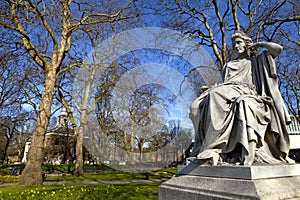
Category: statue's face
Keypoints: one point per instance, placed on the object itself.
(239, 46)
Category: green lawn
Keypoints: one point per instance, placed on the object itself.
(158, 174)
(118, 191)
(134, 191)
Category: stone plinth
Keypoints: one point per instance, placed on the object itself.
(241, 172)
(233, 182)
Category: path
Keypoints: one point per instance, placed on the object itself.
(92, 182)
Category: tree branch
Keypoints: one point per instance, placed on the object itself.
(37, 57)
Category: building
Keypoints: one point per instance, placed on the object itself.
(60, 141)
(294, 134)
(59, 144)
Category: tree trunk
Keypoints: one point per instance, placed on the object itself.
(83, 125)
(79, 153)
(5, 149)
(32, 174)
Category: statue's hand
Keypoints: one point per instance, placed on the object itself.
(273, 48)
(256, 45)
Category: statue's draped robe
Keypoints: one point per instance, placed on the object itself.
(248, 98)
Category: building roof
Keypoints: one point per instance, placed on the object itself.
(61, 126)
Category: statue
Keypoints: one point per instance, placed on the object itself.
(243, 120)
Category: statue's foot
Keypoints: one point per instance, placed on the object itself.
(289, 160)
(210, 157)
(248, 162)
(215, 159)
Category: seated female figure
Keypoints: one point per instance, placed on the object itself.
(243, 119)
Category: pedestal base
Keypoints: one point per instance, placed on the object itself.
(241, 172)
(192, 187)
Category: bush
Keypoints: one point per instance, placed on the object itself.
(9, 179)
(6, 169)
(69, 168)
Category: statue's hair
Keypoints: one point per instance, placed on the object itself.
(247, 40)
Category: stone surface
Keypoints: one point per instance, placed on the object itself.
(233, 182)
(241, 172)
(243, 118)
(189, 187)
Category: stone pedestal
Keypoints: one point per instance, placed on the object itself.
(233, 182)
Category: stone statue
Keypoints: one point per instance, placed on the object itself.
(243, 120)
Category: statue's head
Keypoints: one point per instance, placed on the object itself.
(247, 40)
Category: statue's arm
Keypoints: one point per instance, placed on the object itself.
(274, 48)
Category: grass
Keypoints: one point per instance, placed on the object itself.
(65, 168)
(118, 191)
(48, 168)
(105, 176)
(132, 191)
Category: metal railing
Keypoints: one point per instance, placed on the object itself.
(294, 127)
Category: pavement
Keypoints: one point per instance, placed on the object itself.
(92, 182)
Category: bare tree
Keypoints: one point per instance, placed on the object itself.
(211, 22)
(289, 81)
(12, 131)
(8, 131)
(11, 82)
(12, 79)
(45, 31)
